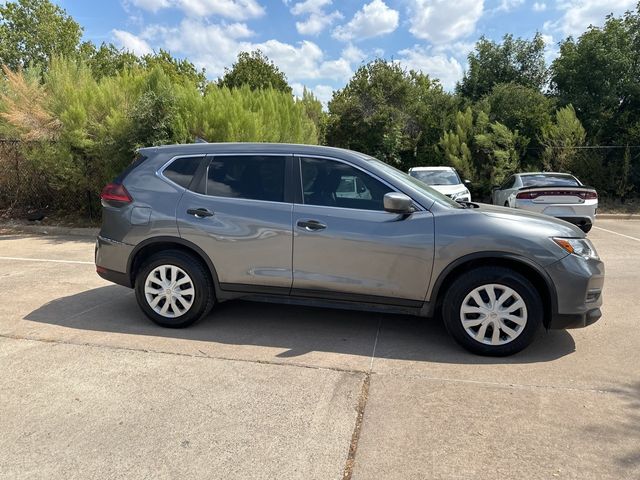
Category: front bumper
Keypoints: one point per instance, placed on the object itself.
(579, 285)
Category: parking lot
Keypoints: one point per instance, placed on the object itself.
(89, 388)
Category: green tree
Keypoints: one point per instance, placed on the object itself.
(178, 70)
(623, 186)
(456, 145)
(517, 61)
(107, 60)
(561, 139)
(313, 108)
(598, 74)
(255, 70)
(524, 109)
(33, 31)
(389, 112)
(502, 149)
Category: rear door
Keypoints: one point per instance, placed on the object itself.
(347, 247)
(240, 217)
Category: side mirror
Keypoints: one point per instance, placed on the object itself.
(467, 183)
(495, 187)
(395, 202)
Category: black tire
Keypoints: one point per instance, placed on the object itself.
(586, 228)
(506, 204)
(465, 284)
(203, 298)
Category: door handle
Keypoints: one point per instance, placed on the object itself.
(311, 225)
(200, 212)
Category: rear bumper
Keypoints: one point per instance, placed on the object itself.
(573, 213)
(579, 285)
(111, 259)
(114, 277)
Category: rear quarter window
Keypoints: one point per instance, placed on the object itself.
(182, 170)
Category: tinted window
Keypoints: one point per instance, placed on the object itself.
(335, 184)
(549, 180)
(436, 177)
(509, 183)
(251, 177)
(181, 170)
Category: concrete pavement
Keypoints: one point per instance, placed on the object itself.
(91, 389)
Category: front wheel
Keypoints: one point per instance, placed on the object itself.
(492, 311)
(173, 289)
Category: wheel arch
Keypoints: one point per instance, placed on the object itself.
(153, 245)
(531, 270)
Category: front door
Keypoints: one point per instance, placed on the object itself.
(242, 221)
(346, 246)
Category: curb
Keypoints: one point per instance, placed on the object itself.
(50, 229)
(618, 216)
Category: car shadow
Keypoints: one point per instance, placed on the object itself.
(298, 330)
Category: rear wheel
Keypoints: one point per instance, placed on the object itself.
(174, 289)
(492, 311)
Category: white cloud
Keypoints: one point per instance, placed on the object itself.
(131, 42)
(579, 14)
(438, 66)
(507, 5)
(353, 54)
(216, 46)
(551, 48)
(318, 19)
(323, 93)
(374, 19)
(539, 7)
(442, 21)
(234, 9)
(310, 6)
(151, 5)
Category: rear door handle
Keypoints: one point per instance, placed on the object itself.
(311, 225)
(200, 212)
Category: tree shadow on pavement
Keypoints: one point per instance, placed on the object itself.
(627, 428)
(298, 330)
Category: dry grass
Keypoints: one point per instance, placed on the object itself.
(24, 105)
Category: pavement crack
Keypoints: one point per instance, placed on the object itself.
(355, 436)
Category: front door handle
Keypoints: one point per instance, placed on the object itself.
(200, 212)
(311, 225)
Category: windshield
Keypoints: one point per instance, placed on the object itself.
(417, 184)
(548, 180)
(436, 177)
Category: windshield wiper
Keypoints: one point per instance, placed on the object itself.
(466, 204)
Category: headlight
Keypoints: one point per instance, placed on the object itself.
(457, 195)
(578, 246)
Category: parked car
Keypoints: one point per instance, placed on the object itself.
(557, 194)
(190, 226)
(445, 180)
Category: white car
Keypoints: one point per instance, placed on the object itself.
(445, 180)
(557, 194)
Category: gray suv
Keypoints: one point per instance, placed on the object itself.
(189, 226)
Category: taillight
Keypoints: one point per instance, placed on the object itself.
(116, 195)
(556, 193)
(527, 195)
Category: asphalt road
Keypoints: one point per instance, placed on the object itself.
(91, 389)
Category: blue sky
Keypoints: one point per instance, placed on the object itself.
(320, 43)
